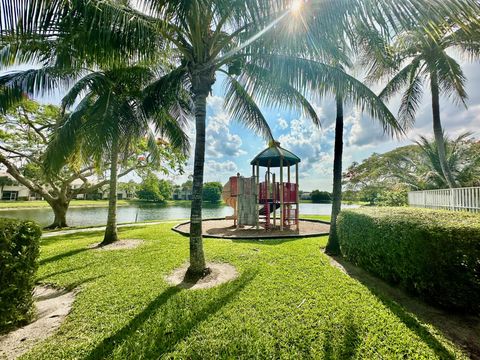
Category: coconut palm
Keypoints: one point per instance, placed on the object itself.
(419, 57)
(116, 112)
(213, 36)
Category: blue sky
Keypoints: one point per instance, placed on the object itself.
(230, 147)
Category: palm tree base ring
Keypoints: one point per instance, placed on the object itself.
(214, 274)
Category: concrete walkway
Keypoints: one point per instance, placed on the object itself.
(102, 228)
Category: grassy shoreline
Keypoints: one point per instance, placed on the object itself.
(35, 204)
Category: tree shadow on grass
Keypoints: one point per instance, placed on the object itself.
(166, 338)
(69, 237)
(61, 272)
(272, 241)
(62, 256)
(460, 329)
(341, 343)
(81, 282)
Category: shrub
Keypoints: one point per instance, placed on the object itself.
(154, 189)
(212, 192)
(397, 197)
(321, 196)
(435, 254)
(19, 250)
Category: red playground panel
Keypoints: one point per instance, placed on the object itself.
(289, 192)
(233, 186)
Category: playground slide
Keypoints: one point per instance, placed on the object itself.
(271, 208)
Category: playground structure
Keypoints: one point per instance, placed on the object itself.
(256, 203)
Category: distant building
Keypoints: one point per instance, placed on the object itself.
(306, 195)
(182, 194)
(102, 193)
(16, 191)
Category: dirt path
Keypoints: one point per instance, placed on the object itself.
(53, 306)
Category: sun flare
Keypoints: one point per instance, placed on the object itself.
(296, 6)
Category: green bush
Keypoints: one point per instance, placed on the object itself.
(19, 250)
(320, 197)
(397, 197)
(212, 192)
(435, 254)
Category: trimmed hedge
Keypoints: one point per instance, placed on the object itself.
(433, 253)
(19, 251)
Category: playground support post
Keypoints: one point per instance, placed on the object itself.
(288, 172)
(257, 181)
(298, 197)
(237, 203)
(282, 215)
(274, 201)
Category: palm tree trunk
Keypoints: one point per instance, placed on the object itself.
(111, 229)
(438, 131)
(198, 266)
(333, 246)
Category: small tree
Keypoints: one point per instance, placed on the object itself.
(27, 130)
(166, 189)
(154, 189)
(321, 196)
(212, 192)
(130, 188)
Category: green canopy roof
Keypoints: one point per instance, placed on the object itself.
(271, 157)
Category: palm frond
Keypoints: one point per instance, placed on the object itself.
(41, 81)
(9, 97)
(319, 79)
(95, 82)
(400, 80)
(451, 78)
(270, 90)
(411, 100)
(244, 109)
(165, 91)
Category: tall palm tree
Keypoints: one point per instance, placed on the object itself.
(116, 112)
(333, 245)
(418, 57)
(208, 36)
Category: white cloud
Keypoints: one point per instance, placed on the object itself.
(364, 131)
(282, 123)
(219, 170)
(213, 166)
(220, 142)
(215, 103)
(310, 144)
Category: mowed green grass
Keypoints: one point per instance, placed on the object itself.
(288, 302)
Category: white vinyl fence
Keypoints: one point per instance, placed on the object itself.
(459, 199)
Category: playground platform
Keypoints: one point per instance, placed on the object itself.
(225, 229)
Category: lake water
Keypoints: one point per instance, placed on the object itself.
(88, 216)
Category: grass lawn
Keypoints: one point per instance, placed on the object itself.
(288, 302)
(316, 217)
